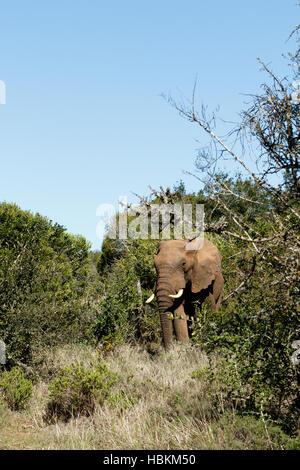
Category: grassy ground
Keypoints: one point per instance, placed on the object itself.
(157, 402)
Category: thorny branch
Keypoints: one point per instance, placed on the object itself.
(273, 123)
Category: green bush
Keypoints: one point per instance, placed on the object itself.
(44, 276)
(254, 330)
(121, 310)
(252, 335)
(15, 388)
(247, 432)
(77, 389)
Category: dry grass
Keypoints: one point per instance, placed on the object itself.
(155, 404)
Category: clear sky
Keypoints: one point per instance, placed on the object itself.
(84, 120)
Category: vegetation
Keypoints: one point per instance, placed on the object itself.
(259, 237)
(43, 283)
(15, 388)
(122, 306)
(76, 390)
(155, 402)
(77, 321)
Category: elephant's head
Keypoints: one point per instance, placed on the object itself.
(185, 269)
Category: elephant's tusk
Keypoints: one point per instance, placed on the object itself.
(150, 299)
(176, 296)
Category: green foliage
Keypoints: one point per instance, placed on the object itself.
(15, 388)
(121, 400)
(110, 252)
(253, 334)
(236, 192)
(256, 326)
(77, 389)
(247, 432)
(121, 309)
(43, 281)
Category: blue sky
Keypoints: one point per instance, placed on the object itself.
(84, 120)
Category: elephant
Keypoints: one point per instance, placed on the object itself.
(187, 270)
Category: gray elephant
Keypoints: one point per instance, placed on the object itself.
(186, 271)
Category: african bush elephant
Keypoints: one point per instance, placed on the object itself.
(186, 271)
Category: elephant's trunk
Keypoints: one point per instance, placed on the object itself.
(165, 304)
(164, 301)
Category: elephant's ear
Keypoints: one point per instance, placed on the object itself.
(207, 266)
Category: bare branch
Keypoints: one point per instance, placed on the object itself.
(244, 281)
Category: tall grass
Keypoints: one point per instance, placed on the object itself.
(157, 402)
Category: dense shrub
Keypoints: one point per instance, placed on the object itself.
(77, 389)
(248, 432)
(15, 388)
(258, 322)
(122, 313)
(43, 283)
(254, 332)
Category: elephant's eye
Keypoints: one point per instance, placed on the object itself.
(183, 264)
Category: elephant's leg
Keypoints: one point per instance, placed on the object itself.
(180, 325)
